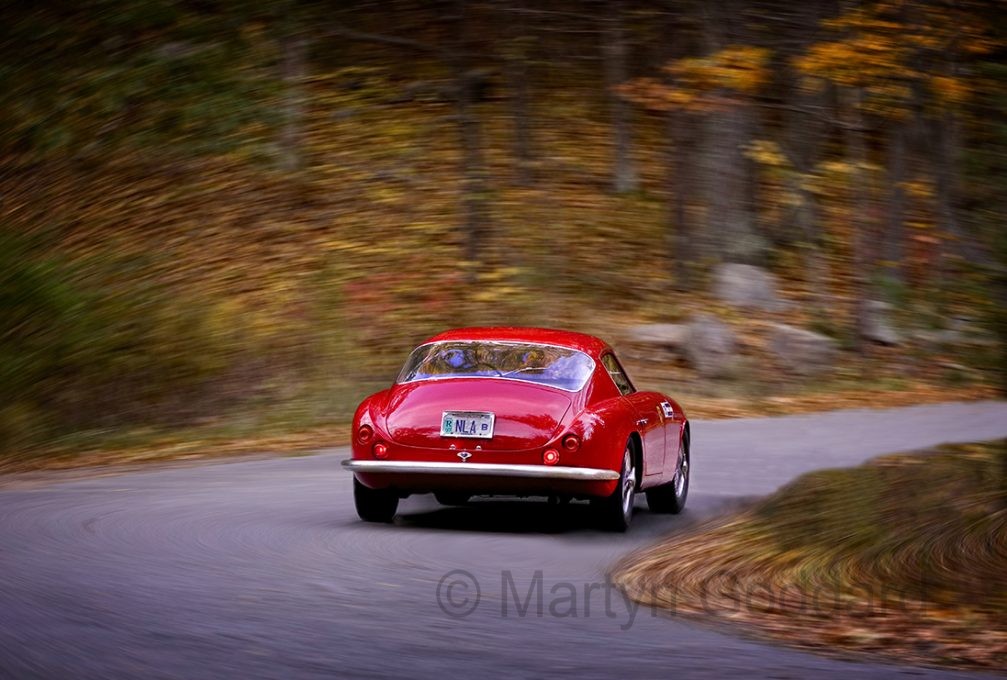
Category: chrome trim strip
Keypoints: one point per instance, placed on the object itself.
(479, 469)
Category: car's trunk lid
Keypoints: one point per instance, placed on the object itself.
(525, 415)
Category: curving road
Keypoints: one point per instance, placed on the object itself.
(258, 568)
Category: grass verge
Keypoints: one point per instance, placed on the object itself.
(904, 556)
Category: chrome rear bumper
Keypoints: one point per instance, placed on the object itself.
(481, 469)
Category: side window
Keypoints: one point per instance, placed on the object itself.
(619, 376)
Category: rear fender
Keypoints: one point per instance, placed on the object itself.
(604, 430)
(370, 412)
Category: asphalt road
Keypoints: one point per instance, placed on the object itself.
(258, 568)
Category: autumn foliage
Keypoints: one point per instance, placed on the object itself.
(242, 215)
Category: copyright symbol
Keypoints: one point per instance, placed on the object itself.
(458, 593)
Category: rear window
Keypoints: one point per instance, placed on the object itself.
(549, 365)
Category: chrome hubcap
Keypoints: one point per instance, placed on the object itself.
(682, 474)
(628, 482)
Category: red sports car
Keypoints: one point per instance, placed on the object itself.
(519, 411)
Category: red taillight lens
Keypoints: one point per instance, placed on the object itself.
(550, 457)
(365, 434)
(571, 443)
(380, 450)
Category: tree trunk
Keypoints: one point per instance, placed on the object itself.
(679, 158)
(615, 48)
(815, 263)
(895, 237)
(678, 170)
(857, 153)
(946, 170)
(473, 195)
(805, 134)
(727, 171)
(730, 220)
(294, 70)
(516, 74)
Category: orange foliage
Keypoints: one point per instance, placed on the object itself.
(717, 80)
(884, 47)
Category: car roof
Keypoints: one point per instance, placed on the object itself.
(548, 336)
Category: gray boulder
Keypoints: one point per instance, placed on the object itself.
(656, 342)
(746, 286)
(938, 338)
(877, 324)
(666, 335)
(960, 332)
(711, 346)
(802, 351)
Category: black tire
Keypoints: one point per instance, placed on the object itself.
(452, 497)
(374, 505)
(616, 511)
(670, 498)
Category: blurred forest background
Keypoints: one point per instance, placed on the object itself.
(235, 218)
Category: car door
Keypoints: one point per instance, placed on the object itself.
(648, 416)
(674, 427)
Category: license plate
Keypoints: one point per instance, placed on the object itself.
(474, 424)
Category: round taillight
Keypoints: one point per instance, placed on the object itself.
(380, 450)
(571, 442)
(550, 457)
(365, 434)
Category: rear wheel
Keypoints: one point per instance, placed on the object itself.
(670, 497)
(616, 511)
(374, 505)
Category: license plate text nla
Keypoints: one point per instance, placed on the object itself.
(474, 424)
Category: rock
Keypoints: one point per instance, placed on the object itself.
(963, 325)
(665, 335)
(938, 338)
(711, 346)
(878, 327)
(802, 351)
(661, 343)
(706, 343)
(958, 335)
(971, 332)
(746, 286)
